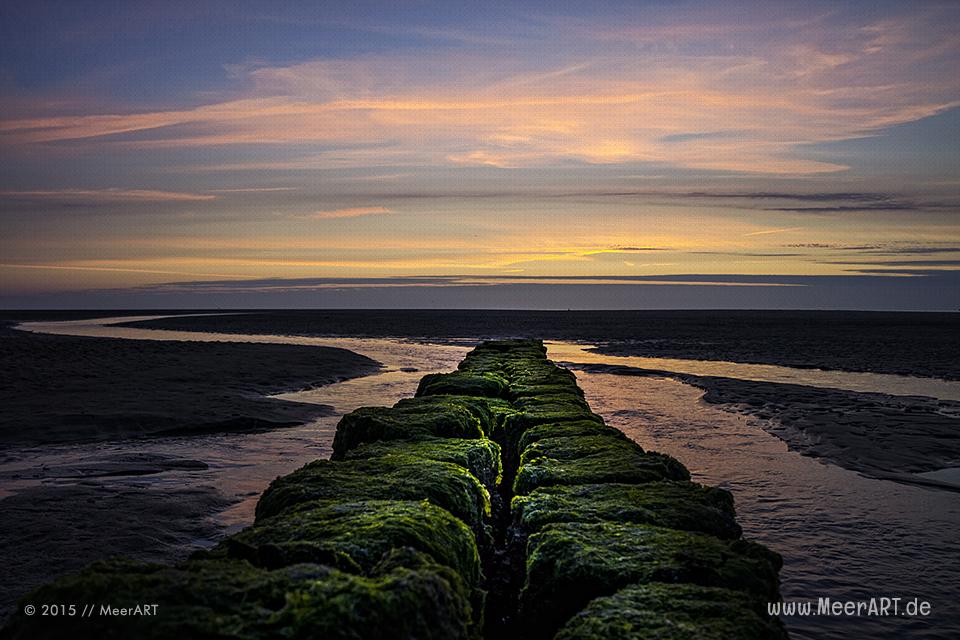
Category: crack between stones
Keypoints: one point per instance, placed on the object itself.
(503, 566)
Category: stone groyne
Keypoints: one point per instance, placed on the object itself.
(494, 504)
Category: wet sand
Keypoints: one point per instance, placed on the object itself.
(882, 435)
(918, 344)
(60, 389)
(64, 390)
(49, 531)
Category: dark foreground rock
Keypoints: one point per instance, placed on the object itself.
(673, 612)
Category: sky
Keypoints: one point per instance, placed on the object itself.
(495, 154)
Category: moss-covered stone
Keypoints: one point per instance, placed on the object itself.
(395, 477)
(489, 385)
(555, 401)
(514, 426)
(673, 505)
(491, 412)
(516, 347)
(569, 564)
(575, 447)
(232, 599)
(519, 361)
(518, 391)
(480, 457)
(410, 422)
(546, 374)
(673, 612)
(361, 531)
(591, 460)
(565, 430)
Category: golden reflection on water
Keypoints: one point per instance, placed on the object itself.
(850, 381)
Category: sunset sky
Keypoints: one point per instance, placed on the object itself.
(547, 154)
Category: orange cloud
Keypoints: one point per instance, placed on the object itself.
(351, 212)
(617, 102)
(769, 231)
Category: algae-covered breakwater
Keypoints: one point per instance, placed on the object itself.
(493, 504)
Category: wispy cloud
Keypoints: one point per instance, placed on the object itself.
(71, 267)
(108, 195)
(881, 249)
(305, 284)
(884, 206)
(905, 263)
(617, 94)
(351, 212)
(770, 231)
(254, 190)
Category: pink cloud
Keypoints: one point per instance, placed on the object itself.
(618, 94)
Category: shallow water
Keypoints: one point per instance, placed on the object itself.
(560, 351)
(847, 380)
(842, 535)
(239, 465)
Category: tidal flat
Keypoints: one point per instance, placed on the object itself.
(841, 533)
(58, 389)
(85, 433)
(911, 344)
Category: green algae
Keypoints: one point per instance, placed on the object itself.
(547, 374)
(673, 612)
(520, 362)
(567, 429)
(514, 426)
(556, 401)
(409, 597)
(490, 412)
(489, 385)
(536, 411)
(569, 564)
(516, 347)
(363, 532)
(576, 447)
(591, 460)
(410, 422)
(673, 505)
(518, 391)
(480, 457)
(396, 477)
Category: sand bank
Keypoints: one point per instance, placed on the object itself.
(60, 389)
